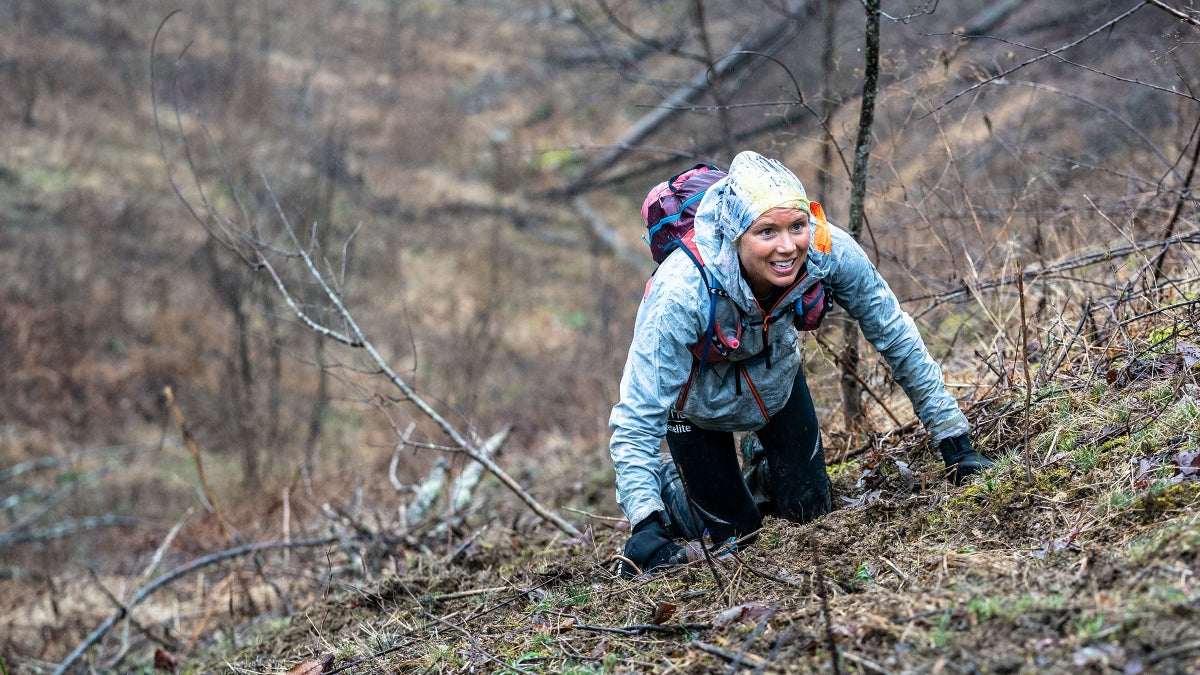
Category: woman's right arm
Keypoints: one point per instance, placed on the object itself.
(658, 365)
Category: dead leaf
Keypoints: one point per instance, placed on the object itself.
(601, 650)
(165, 660)
(752, 612)
(906, 472)
(1190, 354)
(541, 625)
(312, 666)
(663, 612)
(694, 551)
(863, 499)
(1188, 462)
(1055, 545)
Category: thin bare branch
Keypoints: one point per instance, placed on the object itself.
(1177, 13)
(1092, 33)
(1047, 270)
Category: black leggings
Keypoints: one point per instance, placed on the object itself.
(796, 483)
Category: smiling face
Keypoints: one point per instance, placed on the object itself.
(772, 252)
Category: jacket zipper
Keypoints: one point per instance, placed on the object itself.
(767, 318)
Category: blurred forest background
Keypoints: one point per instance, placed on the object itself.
(469, 174)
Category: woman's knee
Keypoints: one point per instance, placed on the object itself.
(805, 503)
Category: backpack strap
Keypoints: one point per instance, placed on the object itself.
(667, 220)
(714, 337)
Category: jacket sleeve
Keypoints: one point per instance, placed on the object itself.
(658, 365)
(859, 288)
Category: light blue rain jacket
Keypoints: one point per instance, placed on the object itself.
(674, 316)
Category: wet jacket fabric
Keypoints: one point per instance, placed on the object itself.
(674, 315)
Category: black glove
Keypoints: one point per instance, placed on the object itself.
(961, 459)
(649, 547)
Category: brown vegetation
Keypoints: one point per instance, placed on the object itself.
(421, 151)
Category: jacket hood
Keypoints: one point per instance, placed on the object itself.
(755, 184)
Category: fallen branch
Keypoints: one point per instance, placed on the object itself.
(744, 653)
(748, 660)
(76, 457)
(181, 571)
(66, 528)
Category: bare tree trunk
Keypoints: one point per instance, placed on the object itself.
(229, 288)
(851, 391)
(829, 13)
(275, 386)
(720, 99)
(320, 403)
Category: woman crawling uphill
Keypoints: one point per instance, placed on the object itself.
(715, 350)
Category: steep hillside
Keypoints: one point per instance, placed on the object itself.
(452, 167)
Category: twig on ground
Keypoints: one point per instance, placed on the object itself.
(166, 544)
(396, 457)
(819, 572)
(778, 578)
(195, 450)
(1172, 651)
(745, 659)
(889, 563)
(66, 528)
(465, 545)
(634, 629)
(603, 519)
(744, 652)
(782, 641)
(461, 594)
(865, 662)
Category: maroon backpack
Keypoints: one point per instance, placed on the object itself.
(670, 209)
